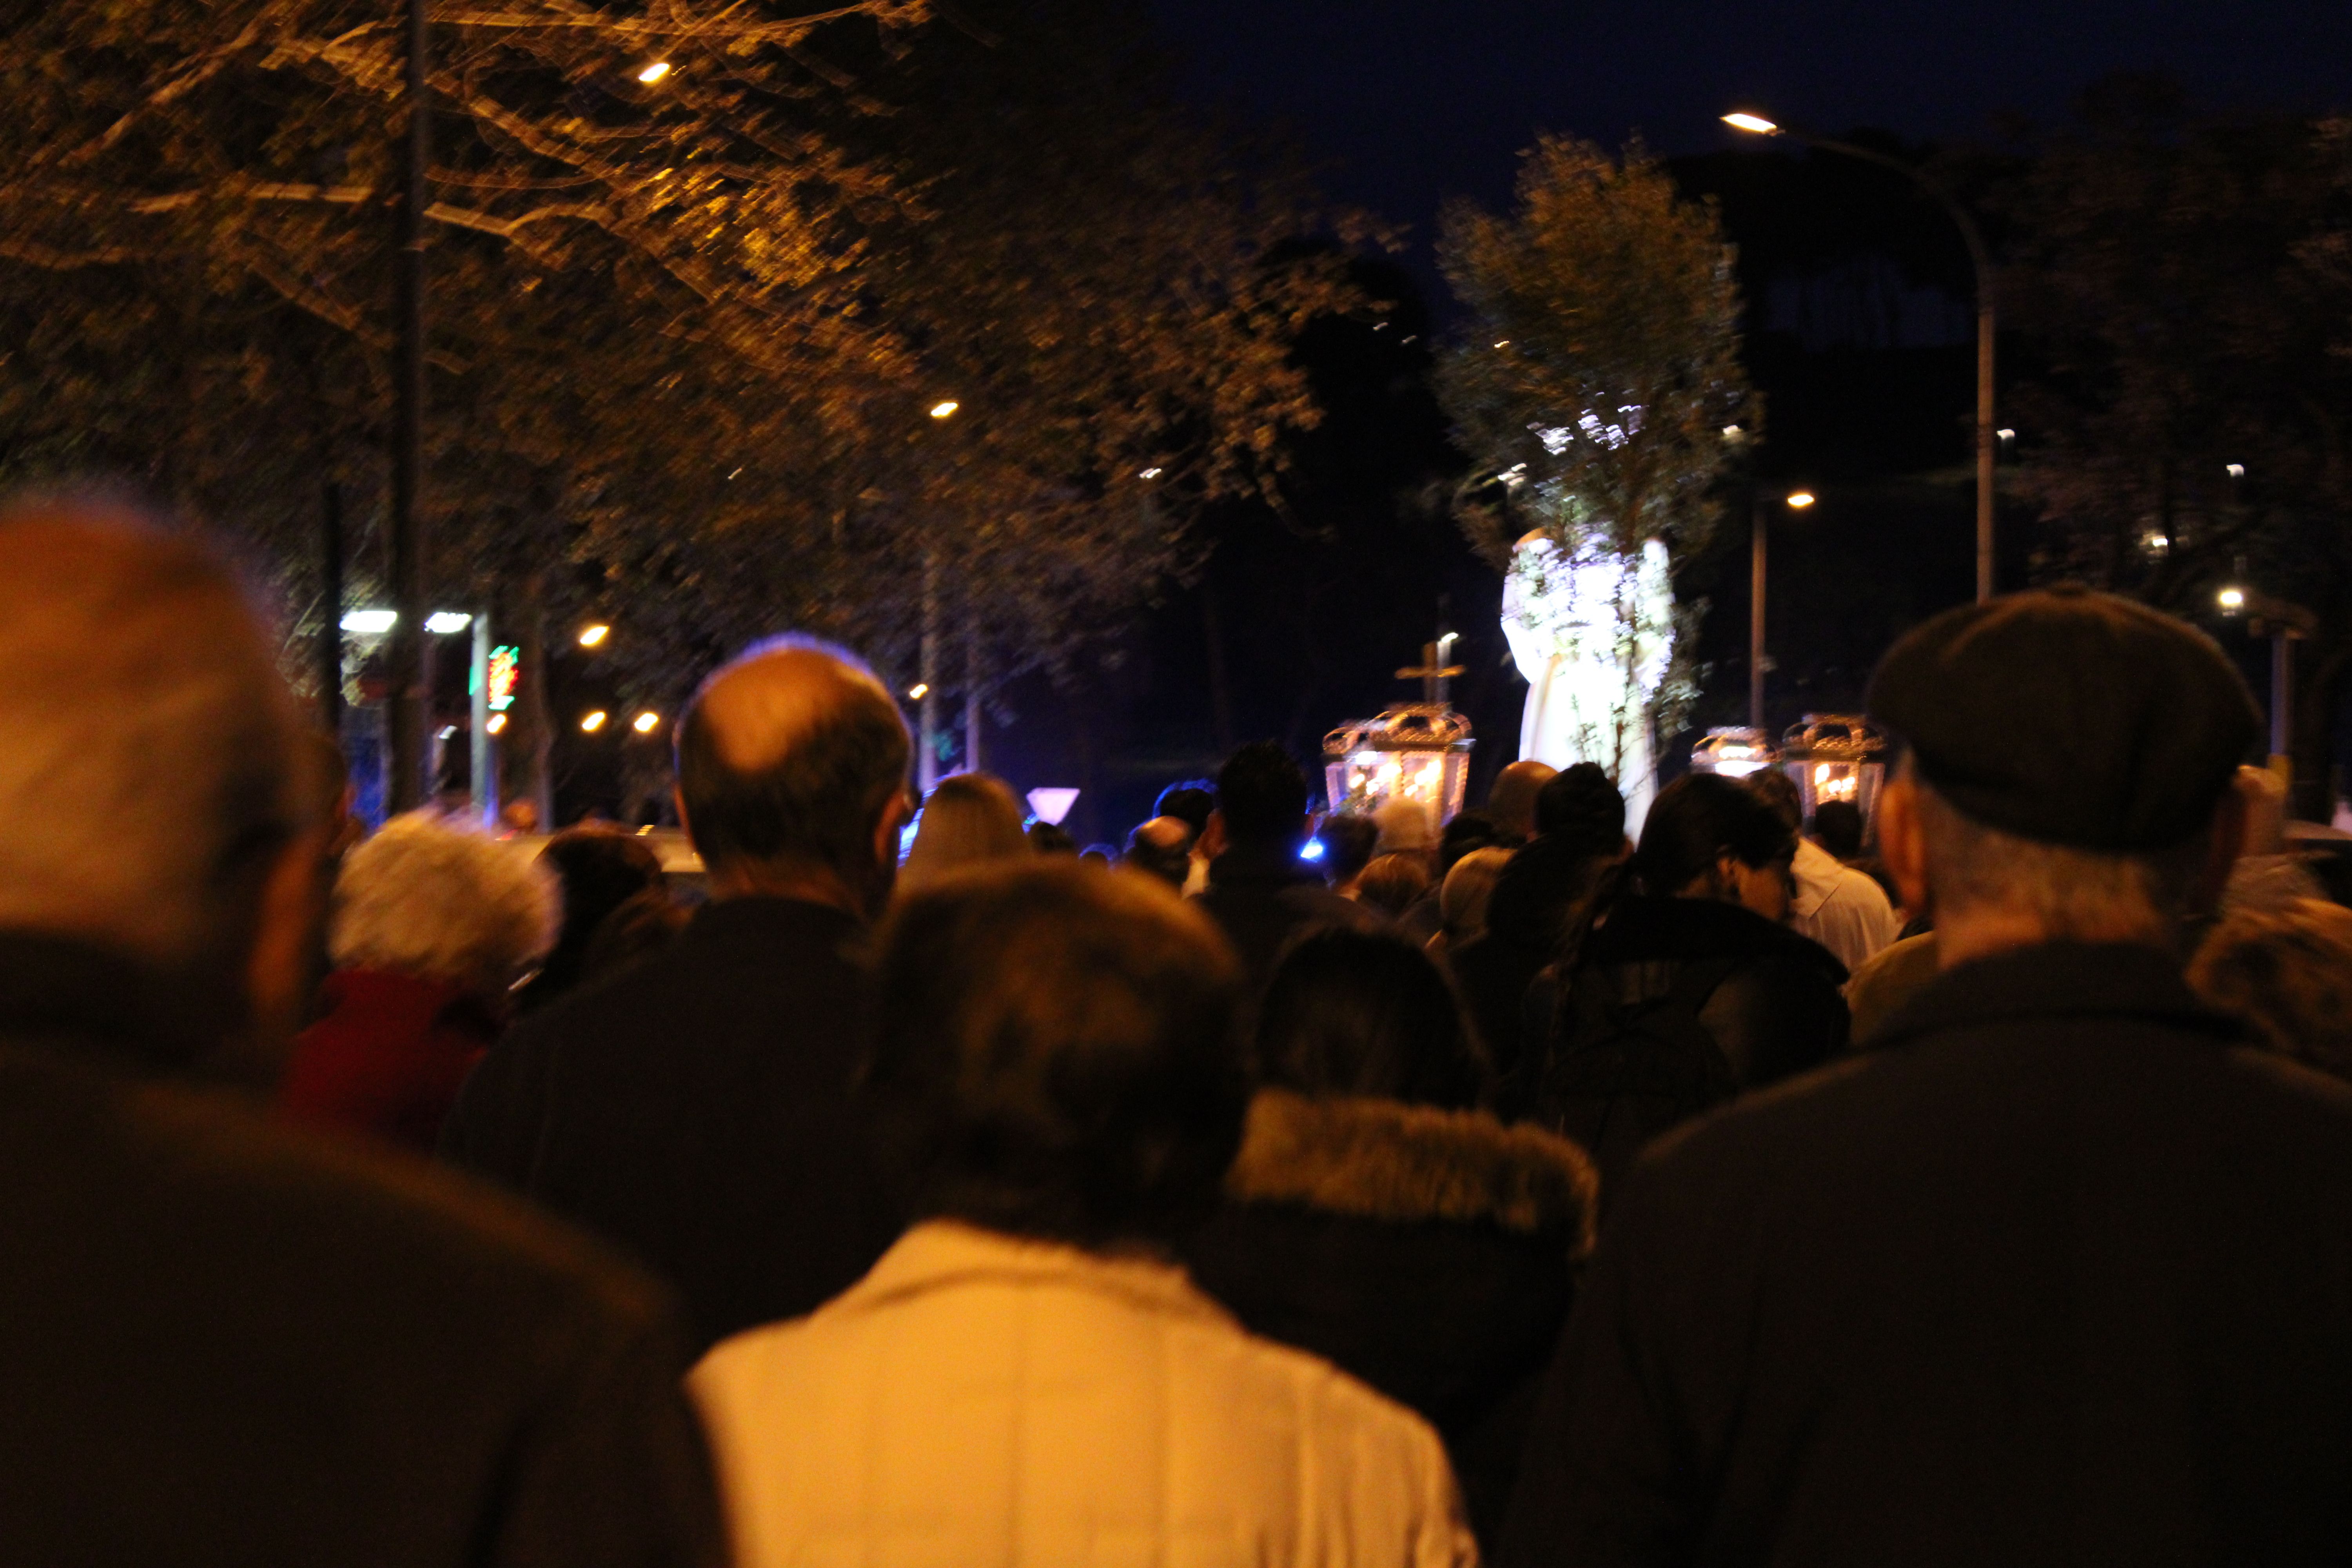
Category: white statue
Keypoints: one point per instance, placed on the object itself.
(1593, 634)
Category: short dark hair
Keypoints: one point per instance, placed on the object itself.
(1366, 1012)
(817, 803)
(1058, 1054)
(1051, 838)
(1188, 802)
(1262, 794)
(1700, 817)
(1469, 830)
(1838, 825)
(1582, 806)
(1348, 844)
(599, 868)
(1779, 791)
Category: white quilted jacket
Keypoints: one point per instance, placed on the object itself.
(979, 1402)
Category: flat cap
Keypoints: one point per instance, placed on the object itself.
(2069, 717)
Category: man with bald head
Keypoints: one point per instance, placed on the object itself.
(1511, 803)
(696, 1109)
(220, 1340)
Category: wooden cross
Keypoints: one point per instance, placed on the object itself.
(1433, 673)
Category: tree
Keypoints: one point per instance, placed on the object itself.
(1599, 375)
(2175, 274)
(686, 331)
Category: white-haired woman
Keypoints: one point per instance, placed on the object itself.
(432, 926)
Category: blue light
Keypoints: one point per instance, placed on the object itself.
(1313, 850)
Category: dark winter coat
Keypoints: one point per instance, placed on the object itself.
(1769, 999)
(1532, 899)
(1261, 896)
(2060, 1272)
(1429, 1253)
(224, 1339)
(696, 1109)
(388, 1055)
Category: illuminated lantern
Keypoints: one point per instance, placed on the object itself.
(1421, 752)
(1733, 753)
(1836, 756)
(1418, 751)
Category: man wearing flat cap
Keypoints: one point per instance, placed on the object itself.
(2060, 1272)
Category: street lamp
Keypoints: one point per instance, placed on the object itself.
(1796, 500)
(2285, 622)
(1981, 260)
(944, 407)
(595, 635)
(592, 720)
(654, 72)
(646, 722)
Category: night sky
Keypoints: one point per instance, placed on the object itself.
(1413, 101)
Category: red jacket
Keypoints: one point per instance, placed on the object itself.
(389, 1055)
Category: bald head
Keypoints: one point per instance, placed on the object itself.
(151, 763)
(788, 760)
(1511, 803)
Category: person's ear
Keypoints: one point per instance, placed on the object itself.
(2227, 839)
(1212, 836)
(1903, 844)
(281, 967)
(894, 820)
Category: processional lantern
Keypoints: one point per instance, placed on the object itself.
(1417, 751)
(1836, 756)
(1735, 753)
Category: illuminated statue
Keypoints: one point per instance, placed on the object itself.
(1593, 634)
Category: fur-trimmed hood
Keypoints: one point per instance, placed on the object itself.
(1382, 1159)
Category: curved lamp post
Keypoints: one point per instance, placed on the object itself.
(1757, 125)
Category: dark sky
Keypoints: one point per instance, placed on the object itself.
(1415, 99)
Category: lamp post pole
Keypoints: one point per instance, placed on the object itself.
(1756, 614)
(1758, 661)
(411, 649)
(1981, 261)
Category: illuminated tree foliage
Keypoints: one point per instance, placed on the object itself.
(1596, 383)
(683, 331)
(1600, 365)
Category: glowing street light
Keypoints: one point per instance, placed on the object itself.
(592, 720)
(1755, 124)
(2232, 598)
(371, 623)
(944, 407)
(595, 635)
(1801, 500)
(916, 693)
(646, 722)
(446, 623)
(654, 72)
(496, 724)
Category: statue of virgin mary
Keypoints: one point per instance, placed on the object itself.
(1592, 631)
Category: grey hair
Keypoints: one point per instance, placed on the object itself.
(426, 898)
(150, 768)
(2073, 894)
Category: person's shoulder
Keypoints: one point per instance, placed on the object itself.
(359, 1223)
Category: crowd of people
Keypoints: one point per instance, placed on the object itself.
(1966, 1183)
